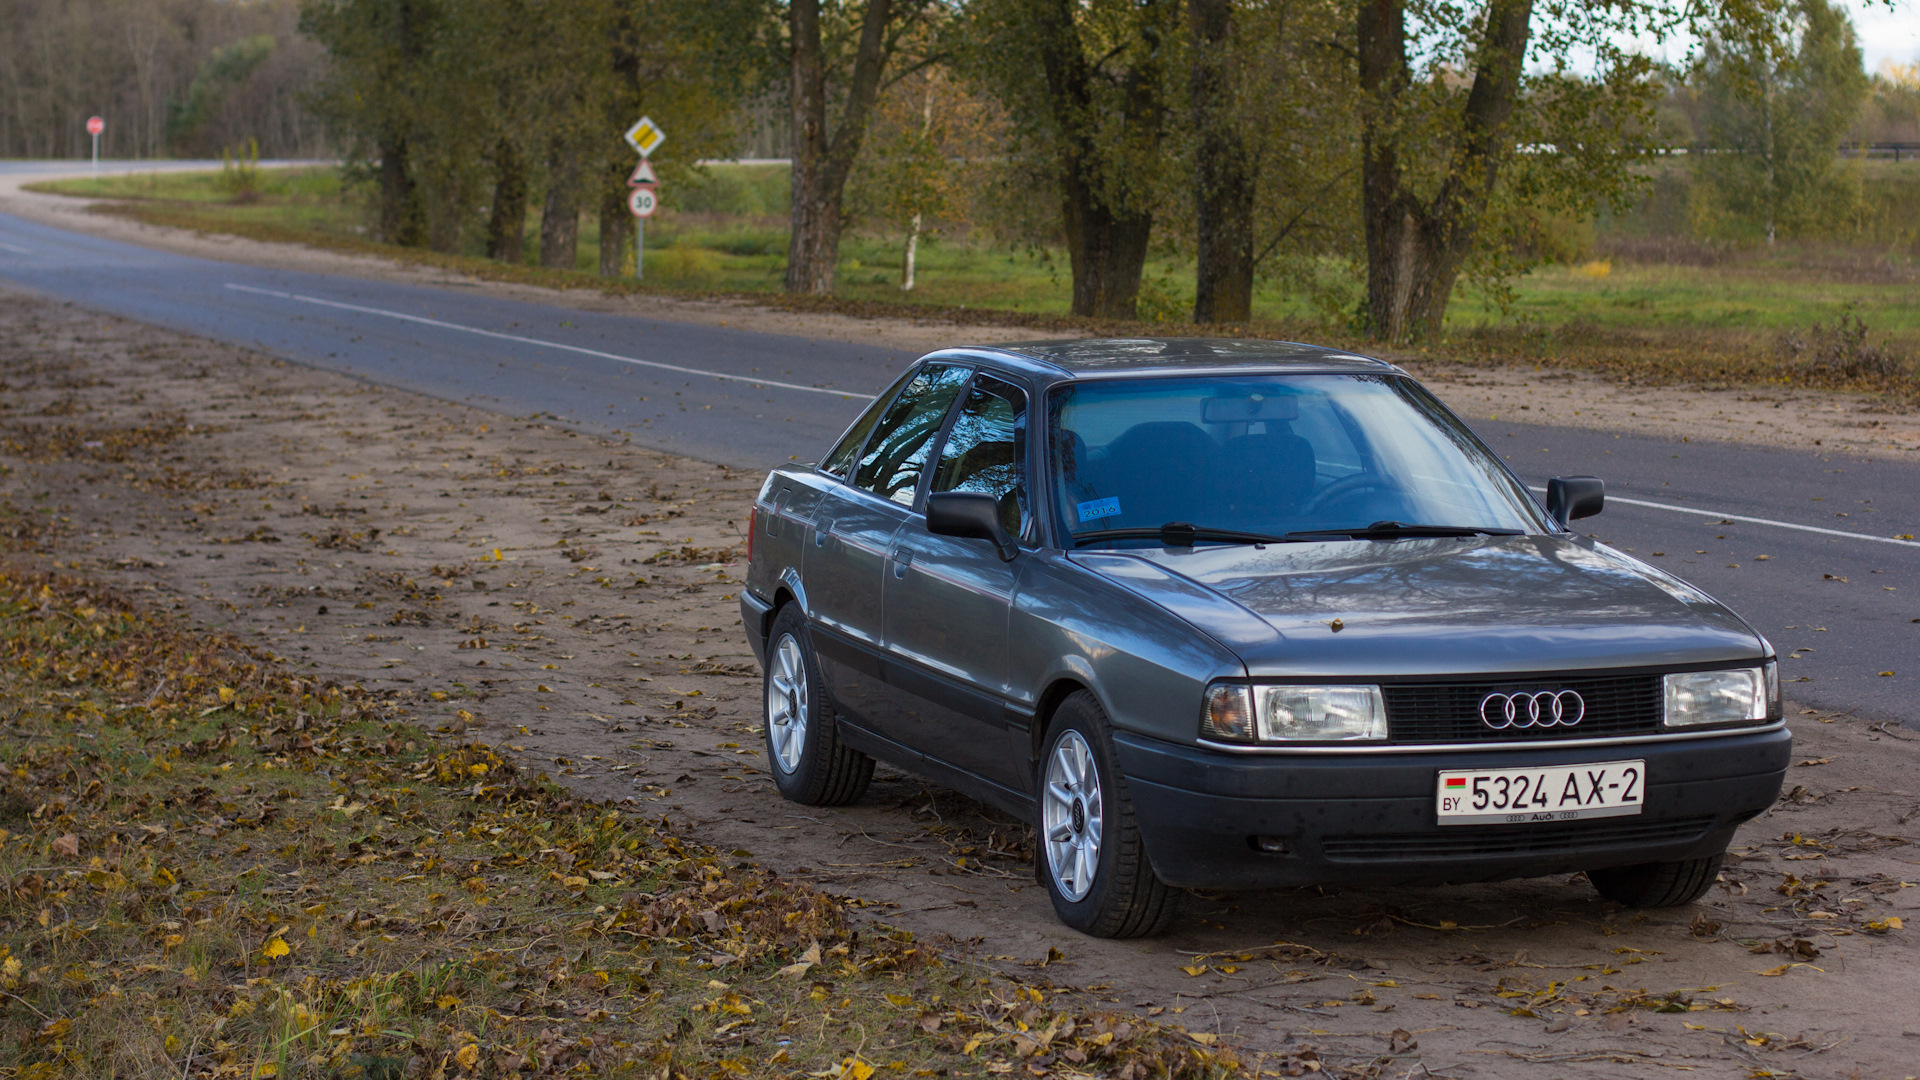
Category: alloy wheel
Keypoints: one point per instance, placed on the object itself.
(787, 704)
(1072, 816)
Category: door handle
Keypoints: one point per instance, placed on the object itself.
(902, 558)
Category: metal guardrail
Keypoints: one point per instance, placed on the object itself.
(1898, 151)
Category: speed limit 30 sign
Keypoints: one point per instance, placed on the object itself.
(643, 202)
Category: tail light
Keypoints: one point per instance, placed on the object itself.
(753, 530)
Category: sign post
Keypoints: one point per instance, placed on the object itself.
(95, 126)
(645, 137)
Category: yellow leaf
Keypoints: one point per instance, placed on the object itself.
(467, 1057)
(794, 971)
(1195, 970)
(1894, 923)
(899, 1001)
(448, 1001)
(543, 688)
(855, 1069)
(275, 949)
(266, 1071)
(1204, 1038)
(226, 695)
(54, 1030)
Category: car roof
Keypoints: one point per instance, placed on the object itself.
(1077, 358)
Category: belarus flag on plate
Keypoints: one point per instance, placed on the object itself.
(1456, 781)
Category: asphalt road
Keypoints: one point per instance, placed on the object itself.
(1743, 523)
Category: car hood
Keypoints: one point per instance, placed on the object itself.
(1434, 606)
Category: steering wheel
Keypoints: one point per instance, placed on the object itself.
(1341, 488)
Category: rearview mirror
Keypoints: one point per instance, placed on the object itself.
(1248, 409)
(1570, 497)
(971, 515)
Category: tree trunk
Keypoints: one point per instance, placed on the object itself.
(616, 227)
(1108, 252)
(402, 219)
(507, 224)
(560, 219)
(1415, 249)
(913, 248)
(1223, 175)
(822, 159)
(1106, 237)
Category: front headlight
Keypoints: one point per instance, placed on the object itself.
(1702, 698)
(1284, 714)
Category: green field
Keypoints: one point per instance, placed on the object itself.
(1687, 310)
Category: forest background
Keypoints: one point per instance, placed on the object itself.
(1497, 176)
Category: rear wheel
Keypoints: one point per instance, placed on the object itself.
(810, 764)
(1657, 884)
(1090, 854)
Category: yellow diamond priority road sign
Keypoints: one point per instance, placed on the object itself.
(646, 136)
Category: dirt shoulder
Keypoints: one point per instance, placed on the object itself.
(572, 601)
(1769, 416)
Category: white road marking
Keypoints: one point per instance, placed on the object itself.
(15, 248)
(1757, 521)
(404, 317)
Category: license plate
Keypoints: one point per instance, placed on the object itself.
(1557, 793)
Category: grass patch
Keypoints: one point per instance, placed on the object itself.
(210, 867)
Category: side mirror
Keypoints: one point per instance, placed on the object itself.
(1570, 497)
(972, 515)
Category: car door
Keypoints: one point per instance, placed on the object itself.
(948, 599)
(852, 532)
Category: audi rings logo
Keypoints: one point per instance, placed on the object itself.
(1542, 709)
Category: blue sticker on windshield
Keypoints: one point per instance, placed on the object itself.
(1099, 508)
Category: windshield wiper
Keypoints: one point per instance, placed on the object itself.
(1180, 534)
(1390, 529)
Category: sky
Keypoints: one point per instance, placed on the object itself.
(1886, 34)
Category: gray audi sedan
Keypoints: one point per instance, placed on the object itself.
(1242, 614)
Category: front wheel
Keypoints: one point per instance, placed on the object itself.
(809, 762)
(1657, 884)
(1090, 853)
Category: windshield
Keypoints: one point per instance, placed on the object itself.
(1272, 455)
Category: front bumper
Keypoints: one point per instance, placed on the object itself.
(1369, 817)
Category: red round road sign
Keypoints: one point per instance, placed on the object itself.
(643, 202)
(95, 125)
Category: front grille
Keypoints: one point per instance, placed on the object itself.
(1450, 712)
(1482, 841)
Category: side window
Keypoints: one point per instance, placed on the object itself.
(986, 450)
(840, 459)
(897, 453)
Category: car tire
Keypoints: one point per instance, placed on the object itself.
(809, 763)
(1088, 851)
(1657, 884)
